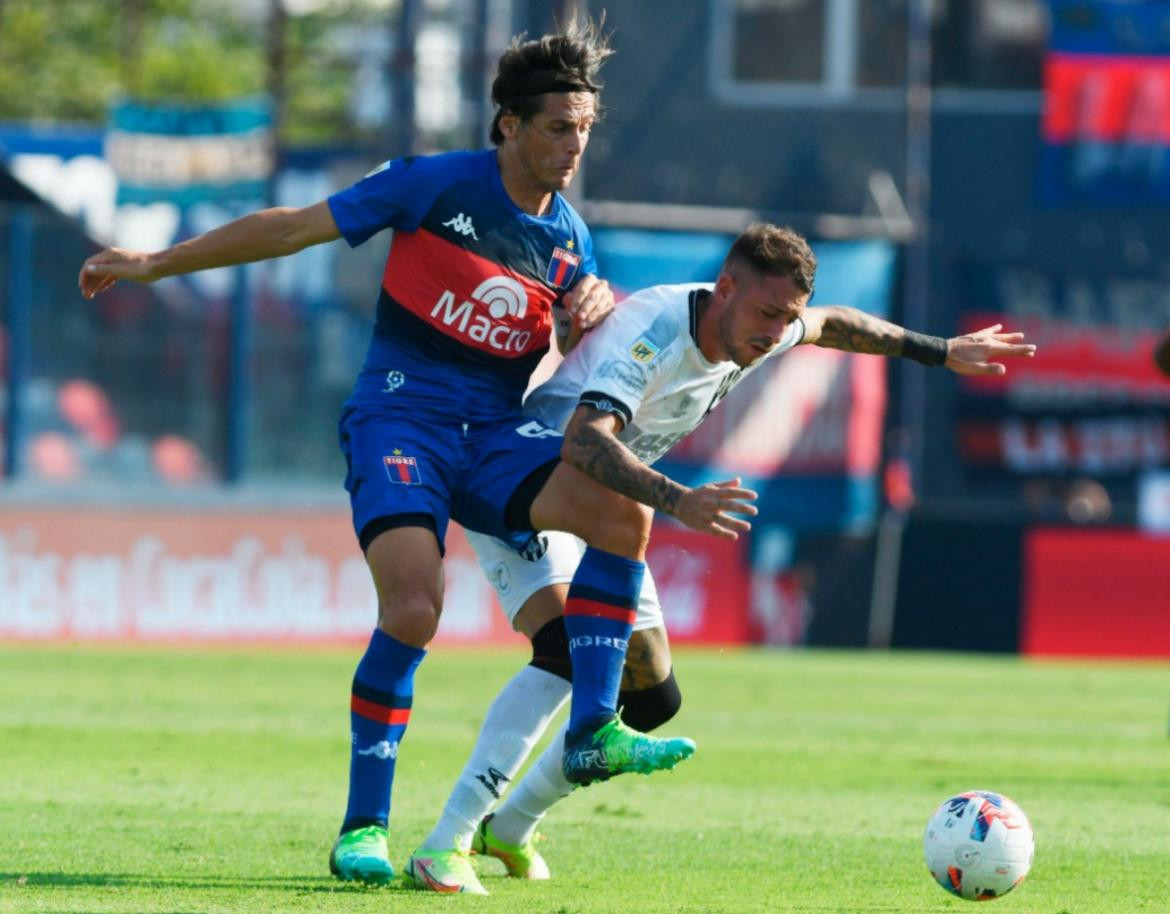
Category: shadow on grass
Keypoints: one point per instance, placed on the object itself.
(9, 881)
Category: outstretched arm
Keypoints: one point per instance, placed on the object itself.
(591, 445)
(268, 233)
(851, 330)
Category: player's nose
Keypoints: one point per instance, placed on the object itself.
(576, 141)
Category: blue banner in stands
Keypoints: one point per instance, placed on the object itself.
(189, 154)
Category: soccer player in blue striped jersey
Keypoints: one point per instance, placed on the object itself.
(486, 255)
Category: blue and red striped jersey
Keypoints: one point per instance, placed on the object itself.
(465, 305)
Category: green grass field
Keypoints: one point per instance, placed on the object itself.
(184, 781)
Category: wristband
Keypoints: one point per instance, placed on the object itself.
(929, 350)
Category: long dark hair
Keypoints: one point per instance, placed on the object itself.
(566, 61)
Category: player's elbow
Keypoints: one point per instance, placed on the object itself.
(573, 454)
(578, 443)
(296, 229)
(290, 233)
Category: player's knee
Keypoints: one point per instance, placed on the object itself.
(550, 649)
(624, 528)
(411, 621)
(646, 709)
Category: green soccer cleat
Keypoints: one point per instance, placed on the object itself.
(448, 872)
(616, 749)
(362, 855)
(521, 860)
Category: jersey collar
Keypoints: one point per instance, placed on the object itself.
(694, 303)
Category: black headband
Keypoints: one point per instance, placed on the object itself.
(543, 81)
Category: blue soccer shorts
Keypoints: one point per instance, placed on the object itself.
(414, 465)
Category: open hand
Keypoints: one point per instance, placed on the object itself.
(708, 508)
(978, 353)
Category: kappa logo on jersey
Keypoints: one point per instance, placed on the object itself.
(402, 469)
(643, 351)
(462, 225)
(503, 297)
(562, 267)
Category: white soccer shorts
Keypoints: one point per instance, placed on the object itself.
(517, 577)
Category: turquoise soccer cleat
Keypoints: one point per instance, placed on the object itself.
(362, 855)
(616, 749)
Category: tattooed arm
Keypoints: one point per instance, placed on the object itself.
(841, 327)
(591, 446)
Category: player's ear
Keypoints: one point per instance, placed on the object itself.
(509, 124)
(725, 284)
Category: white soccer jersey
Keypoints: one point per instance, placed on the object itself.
(643, 363)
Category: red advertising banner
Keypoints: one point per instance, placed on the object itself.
(1091, 402)
(1114, 98)
(702, 584)
(1082, 357)
(276, 576)
(1096, 593)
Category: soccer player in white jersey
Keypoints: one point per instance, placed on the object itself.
(630, 390)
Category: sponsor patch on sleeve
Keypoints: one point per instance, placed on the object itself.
(643, 351)
(631, 377)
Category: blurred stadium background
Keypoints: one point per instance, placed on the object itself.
(170, 466)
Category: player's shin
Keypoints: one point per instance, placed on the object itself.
(383, 691)
(543, 785)
(513, 724)
(599, 617)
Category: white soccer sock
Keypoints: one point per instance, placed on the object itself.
(512, 726)
(542, 787)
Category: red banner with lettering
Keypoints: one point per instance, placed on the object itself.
(276, 576)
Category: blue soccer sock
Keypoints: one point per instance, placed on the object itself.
(599, 617)
(383, 690)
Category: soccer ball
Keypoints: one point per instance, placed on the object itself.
(978, 845)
